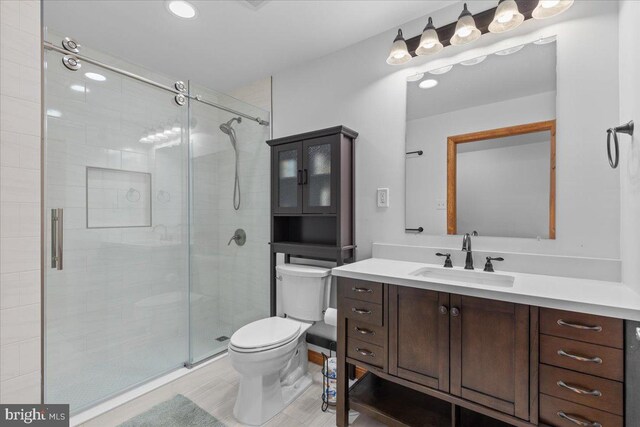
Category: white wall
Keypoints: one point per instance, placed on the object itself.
(426, 175)
(630, 150)
(355, 87)
(20, 201)
(504, 190)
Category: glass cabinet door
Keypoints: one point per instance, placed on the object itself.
(288, 170)
(319, 176)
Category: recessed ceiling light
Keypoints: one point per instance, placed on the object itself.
(79, 88)
(54, 113)
(415, 77)
(509, 51)
(181, 9)
(474, 61)
(441, 70)
(95, 76)
(428, 84)
(545, 40)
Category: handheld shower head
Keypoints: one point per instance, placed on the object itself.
(226, 127)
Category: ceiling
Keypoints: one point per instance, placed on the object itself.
(231, 42)
(530, 71)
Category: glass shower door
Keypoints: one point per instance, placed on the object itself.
(229, 282)
(116, 230)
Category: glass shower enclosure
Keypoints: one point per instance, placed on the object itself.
(140, 277)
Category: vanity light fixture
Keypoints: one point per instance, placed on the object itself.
(441, 70)
(509, 50)
(429, 41)
(181, 9)
(428, 84)
(473, 61)
(399, 52)
(415, 77)
(95, 76)
(466, 30)
(507, 17)
(548, 8)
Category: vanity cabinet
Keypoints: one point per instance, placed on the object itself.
(494, 363)
(419, 336)
(490, 353)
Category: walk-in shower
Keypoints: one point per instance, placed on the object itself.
(137, 201)
(230, 131)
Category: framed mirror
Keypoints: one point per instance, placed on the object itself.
(481, 144)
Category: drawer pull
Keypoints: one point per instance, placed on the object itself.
(364, 331)
(577, 421)
(579, 390)
(580, 358)
(362, 290)
(578, 326)
(365, 352)
(360, 311)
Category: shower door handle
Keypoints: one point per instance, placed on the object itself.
(57, 234)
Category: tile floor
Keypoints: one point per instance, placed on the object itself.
(214, 388)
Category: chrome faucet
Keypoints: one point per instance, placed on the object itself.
(466, 247)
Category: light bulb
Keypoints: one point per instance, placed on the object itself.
(505, 17)
(464, 32)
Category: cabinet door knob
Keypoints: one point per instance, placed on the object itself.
(443, 309)
(455, 311)
(365, 352)
(580, 358)
(579, 326)
(362, 290)
(360, 311)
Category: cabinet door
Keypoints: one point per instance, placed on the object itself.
(287, 178)
(320, 174)
(419, 336)
(490, 353)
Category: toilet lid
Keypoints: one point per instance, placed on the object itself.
(267, 332)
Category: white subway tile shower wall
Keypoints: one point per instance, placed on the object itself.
(230, 283)
(20, 201)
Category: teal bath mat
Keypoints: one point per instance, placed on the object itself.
(177, 412)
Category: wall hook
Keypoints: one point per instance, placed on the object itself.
(626, 128)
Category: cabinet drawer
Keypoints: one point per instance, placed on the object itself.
(588, 390)
(365, 352)
(361, 290)
(367, 332)
(362, 311)
(557, 412)
(579, 356)
(582, 327)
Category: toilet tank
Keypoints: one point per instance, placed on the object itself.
(305, 290)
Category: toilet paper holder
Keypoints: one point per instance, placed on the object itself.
(627, 129)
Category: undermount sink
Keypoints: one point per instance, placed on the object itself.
(466, 276)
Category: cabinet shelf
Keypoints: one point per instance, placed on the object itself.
(394, 404)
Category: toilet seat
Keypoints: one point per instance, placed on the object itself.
(265, 334)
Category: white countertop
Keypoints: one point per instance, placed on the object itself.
(611, 299)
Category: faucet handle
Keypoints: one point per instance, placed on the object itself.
(447, 261)
(489, 266)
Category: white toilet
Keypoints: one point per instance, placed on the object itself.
(271, 354)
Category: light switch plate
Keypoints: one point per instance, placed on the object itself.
(383, 197)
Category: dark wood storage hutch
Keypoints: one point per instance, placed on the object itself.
(312, 197)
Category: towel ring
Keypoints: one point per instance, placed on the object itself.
(626, 129)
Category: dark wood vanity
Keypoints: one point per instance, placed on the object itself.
(442, 359)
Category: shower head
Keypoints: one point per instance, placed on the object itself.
(226, 127)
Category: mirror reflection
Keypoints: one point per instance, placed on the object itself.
(480, 145)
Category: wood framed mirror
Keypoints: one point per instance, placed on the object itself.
(504, 184)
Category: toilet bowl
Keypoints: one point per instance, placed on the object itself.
(271, 354)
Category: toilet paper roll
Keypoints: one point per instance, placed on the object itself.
(331, 317)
